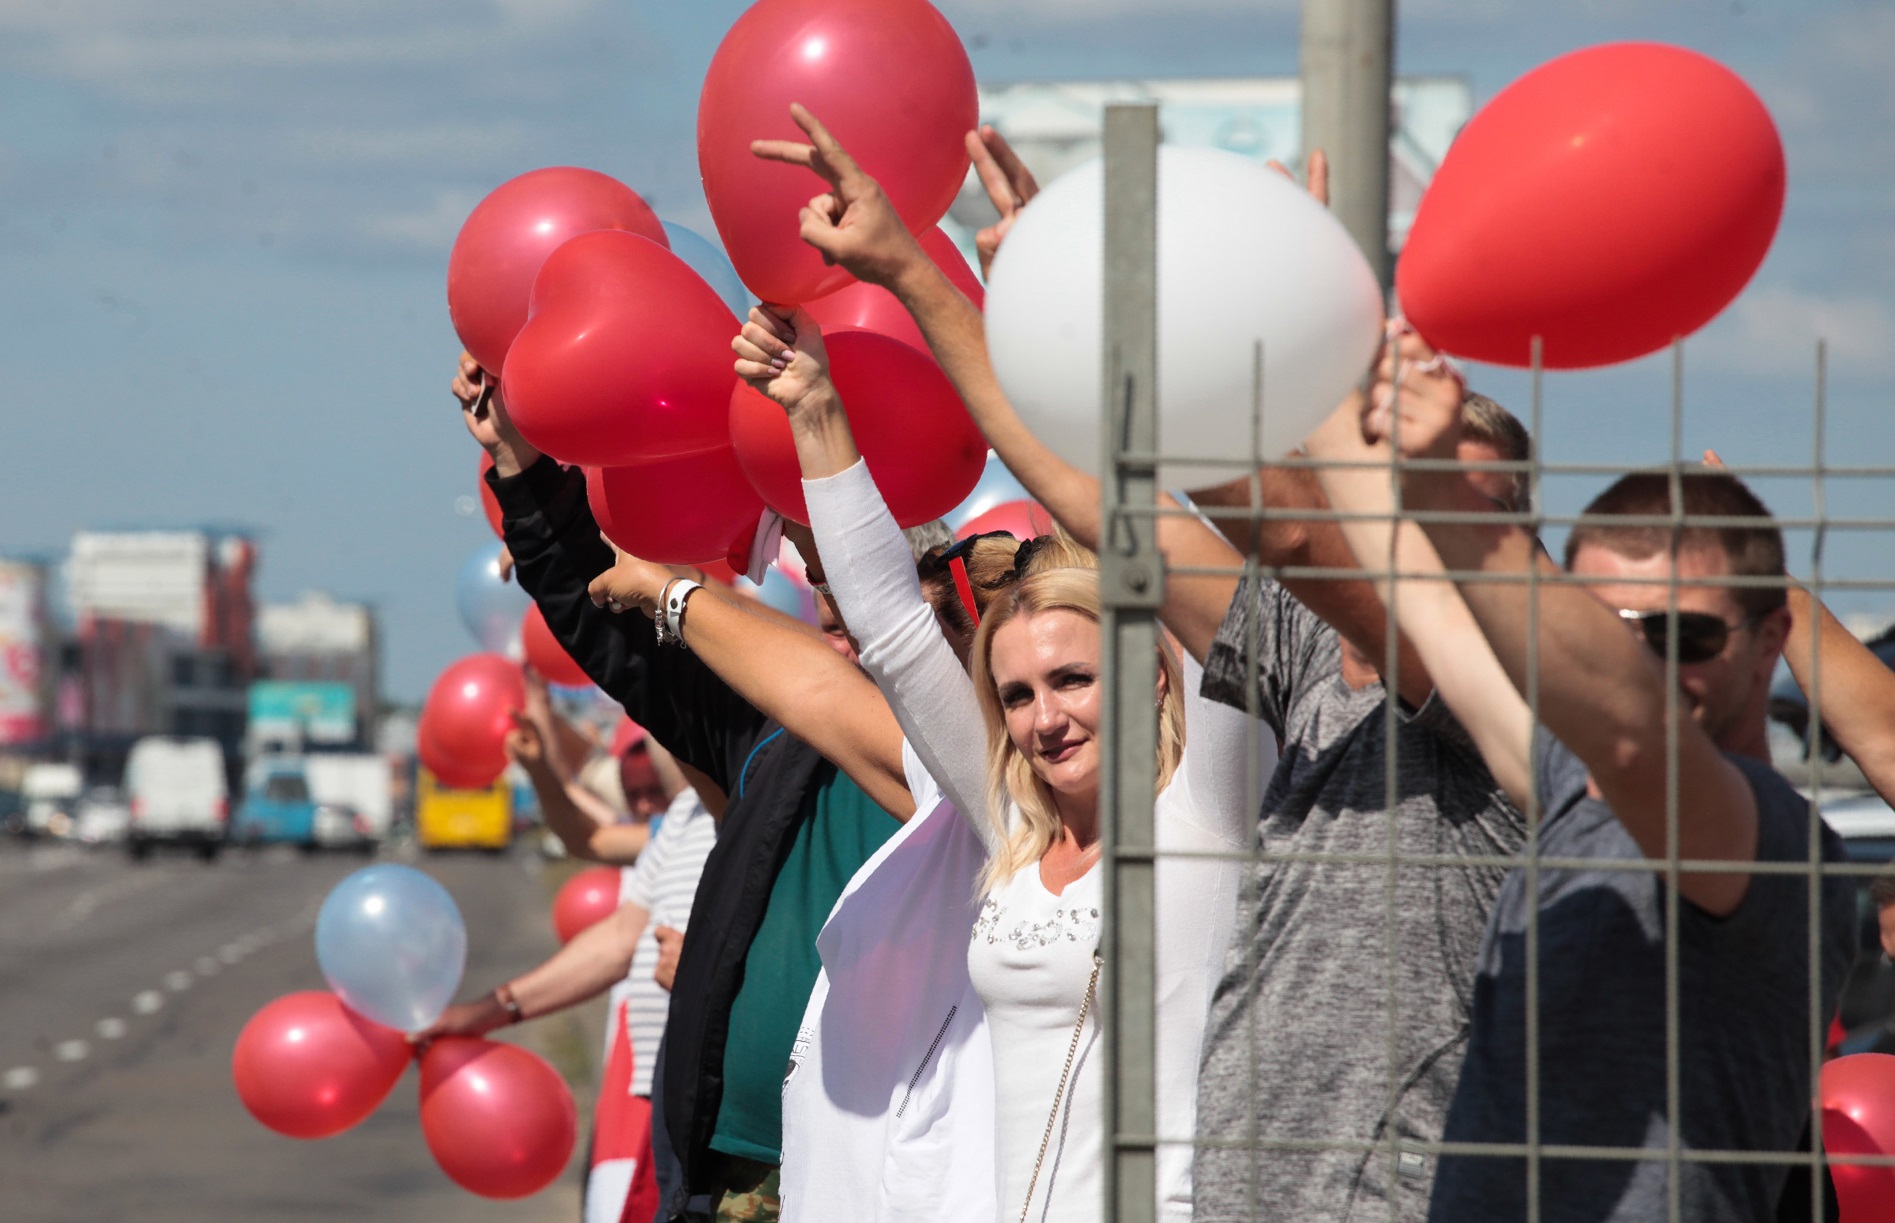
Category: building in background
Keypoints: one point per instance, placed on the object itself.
(320, 661)
(162, 643)
(1055, 126)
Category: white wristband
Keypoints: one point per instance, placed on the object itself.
(675, 596)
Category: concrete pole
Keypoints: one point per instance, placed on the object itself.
(1348, 70)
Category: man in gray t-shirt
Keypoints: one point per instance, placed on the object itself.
(1338, 995)
(1645, 740)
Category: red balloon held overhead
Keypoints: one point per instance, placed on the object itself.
(1608, 202)
(888, 77)
(677, 511)
(1858, 1100)
(625, 357)
(508, 236)
(586, 899)
(870, 307)
(489, 502)
(498, 1119)
(1022, 519)
(544, 653)
(465, 720)
(922, 448)
(309, 1067)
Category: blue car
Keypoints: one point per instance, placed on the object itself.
(276, 807)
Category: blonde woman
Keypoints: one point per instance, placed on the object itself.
(1015, 747)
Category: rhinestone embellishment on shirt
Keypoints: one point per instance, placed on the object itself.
(1072, 925)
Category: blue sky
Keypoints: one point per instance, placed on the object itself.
(224, 228)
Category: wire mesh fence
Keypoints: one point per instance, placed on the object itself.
(1396, 1161)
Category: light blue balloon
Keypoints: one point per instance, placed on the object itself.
(392, 945)
(786, 596)
(708, 260)
(490, 608)
(996, 487)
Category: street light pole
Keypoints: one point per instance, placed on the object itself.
(1348, 70)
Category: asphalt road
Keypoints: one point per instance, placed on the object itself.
(122, 989)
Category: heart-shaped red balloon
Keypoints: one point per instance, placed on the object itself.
(890, 80)
(678, 511)
(1858, 1099)
(625, 357)
(1608, 202)
(508, 236)
(913, 431)
(870, 307)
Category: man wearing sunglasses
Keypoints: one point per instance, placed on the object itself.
(1644, 752)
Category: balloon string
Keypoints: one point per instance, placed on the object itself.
(479, 405)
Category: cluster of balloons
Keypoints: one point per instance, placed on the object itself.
(390, 941)
(610, 330)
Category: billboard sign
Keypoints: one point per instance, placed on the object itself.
(22, 653)
(302, 711)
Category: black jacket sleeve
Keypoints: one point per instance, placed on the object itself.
(557, 551)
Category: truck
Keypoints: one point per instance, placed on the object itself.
(355, 800)
(51, 794)
(178, 795)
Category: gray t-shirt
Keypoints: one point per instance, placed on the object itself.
(1317, 986)
(1744, 1021)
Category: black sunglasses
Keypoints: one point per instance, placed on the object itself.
(941, 557)
(1701, 636)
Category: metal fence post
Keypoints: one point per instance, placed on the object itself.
(1131, 586)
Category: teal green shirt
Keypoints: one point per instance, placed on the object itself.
(839, 829)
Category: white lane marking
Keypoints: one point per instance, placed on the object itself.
(147, 1001)
(19, 1078)
(206, 966)
(177, 982)
(110, 1028)
(230, 953)
(71, 1050)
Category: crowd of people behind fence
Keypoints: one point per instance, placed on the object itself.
(876, 901)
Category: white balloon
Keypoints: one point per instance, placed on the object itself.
(1243, 255)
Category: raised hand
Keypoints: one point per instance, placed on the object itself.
(1419, 388)
(1318, 185)
(630, 583)
(1010, 186)
(525, 745)
(781, 354)
(853, 224)
(485, 416)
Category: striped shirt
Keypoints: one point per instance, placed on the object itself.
(664, 882)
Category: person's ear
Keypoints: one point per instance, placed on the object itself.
(1163, 686)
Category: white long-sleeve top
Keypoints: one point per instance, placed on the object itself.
(1027, 974)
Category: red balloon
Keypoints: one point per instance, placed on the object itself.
(508, 236)
(888, 77)
(587, 898)
(872, 308)
(465, 720)
(497, 1118)
(1022, 519)
(544, 653)
(676, 511)
(1858, 1098)
(307, 1066)
(625, 357)
(489, 502)
(923, 449)
(1608, 202)
(719, 570)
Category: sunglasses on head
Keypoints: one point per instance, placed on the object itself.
(953, 558)
(1701, 636)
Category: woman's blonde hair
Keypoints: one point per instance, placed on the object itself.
(1057, 575)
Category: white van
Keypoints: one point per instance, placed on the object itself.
(178, 795)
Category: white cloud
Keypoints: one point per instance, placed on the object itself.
(1773, 330)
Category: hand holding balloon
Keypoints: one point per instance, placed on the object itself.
(854, 224)
(1010, 187)
(485, 415)
(631, 583)
(783, 357)
(476, 1018)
